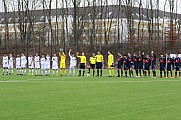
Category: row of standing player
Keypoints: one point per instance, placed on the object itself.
(143, 64)
(36, 64)
(125, 63)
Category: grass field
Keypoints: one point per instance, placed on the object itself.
(88, 98)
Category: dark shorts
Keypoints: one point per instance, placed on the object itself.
(177, 68)
(136, 66)
(162, 68)
(153, 66)
(141, 66)
(130, 65)
(147, 67)
(119, 66)
(99, 65)
(82, 66)
(92, 66)
(125, 67)
(169, 67)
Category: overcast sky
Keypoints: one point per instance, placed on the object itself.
(161, 4)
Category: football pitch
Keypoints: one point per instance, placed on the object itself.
(89, 98)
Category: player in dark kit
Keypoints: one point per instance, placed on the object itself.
(136, 65)
(120, 64)
(147, 64)
(162, 61)
(177, 62)
(130, 62)
(126, 65)
(169, 66)
(153, 64)
(140, 62)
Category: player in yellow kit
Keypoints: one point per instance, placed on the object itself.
(92, 62)
(82, 63)
(99, 63)
(111, 64)
(62, 62)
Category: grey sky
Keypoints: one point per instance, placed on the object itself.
(161, 4)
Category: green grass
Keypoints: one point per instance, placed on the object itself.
(88, 98)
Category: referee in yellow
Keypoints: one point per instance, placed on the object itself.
(62, 62)
(99, 63)
(92, 62)
(82, 63)
(111, 64)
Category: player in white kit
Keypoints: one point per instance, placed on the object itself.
(23, 64)
(54, 64)
(48, 59)
(10, 64)
(18, 65)
(5, 64)
(73, 62)
(43, 64)
(31, 64)
(37, 64)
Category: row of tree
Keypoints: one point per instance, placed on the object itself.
(50, 34)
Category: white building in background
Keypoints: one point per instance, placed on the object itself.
(111, 25)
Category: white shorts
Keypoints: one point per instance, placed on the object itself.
(5, 65)
(43, 66)
(10, 65)
(18, 66)
(31, 66)
(55, 67)
(37, 65)
(23, 65)
(48, 66)
(71, 66)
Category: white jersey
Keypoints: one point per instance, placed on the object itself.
(37, 62)
(54, 62)
(23, 61)
(30, 62)
(43, 63)
(5, 61)
(47, 62)
(18, 62)
(73, 61)
(10, 62)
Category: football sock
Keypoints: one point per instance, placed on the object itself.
(131, 72)
(160, 73)
(164, 73)
(93, 72)
(60, 72)
(65, 71)
(136, 72)
(175, 74)
(140, 72)
(119, 73)
(126, 73)
(101, 73)
(89, 70)
(171, 73)
(83, 72)
(148, 73)
(110, 72)
(98, 72)
(167, 73)
(79, 72)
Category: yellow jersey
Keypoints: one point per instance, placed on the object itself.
(92, 60)
(99, 58)
(62, 57)
(110, 59)
(82, 59)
